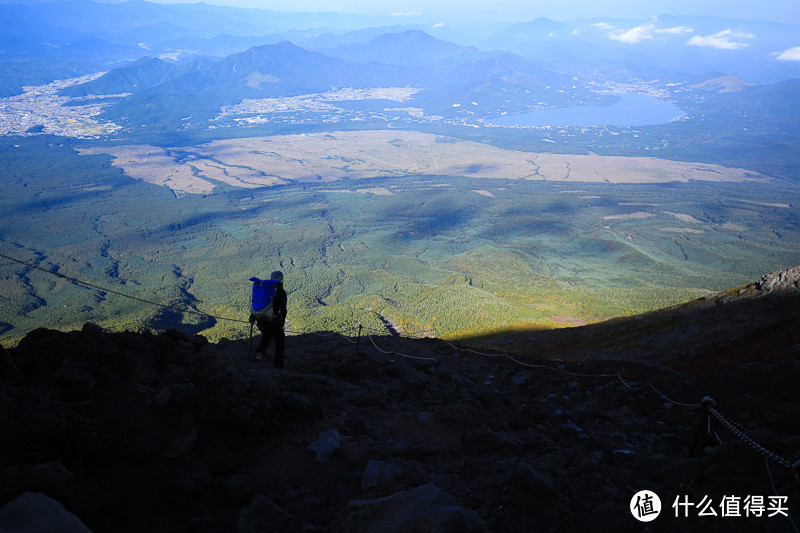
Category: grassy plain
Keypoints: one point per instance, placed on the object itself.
(264, 161)
(452, 254)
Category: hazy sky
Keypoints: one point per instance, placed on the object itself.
(524, 10)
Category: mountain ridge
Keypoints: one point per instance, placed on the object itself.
(744, 326)
(409, 48)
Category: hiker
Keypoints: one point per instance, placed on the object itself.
(271, 324)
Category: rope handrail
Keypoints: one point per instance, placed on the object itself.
(528, 365)
(399, 353)
(746, 438)
(118, 293)
(707, 402)
(200, 313)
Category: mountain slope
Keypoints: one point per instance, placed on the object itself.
(142, 74)
(411, 48)
(151, 432)
(267, 70)
(747, 327)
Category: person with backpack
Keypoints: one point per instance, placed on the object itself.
(268, 312)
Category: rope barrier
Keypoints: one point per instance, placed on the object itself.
(746, 438)
(399, 353)
(576, 374)
(528, 365)
(690, 405)
(200, 313)
(707, 402)
(118, 293)
(769, 473)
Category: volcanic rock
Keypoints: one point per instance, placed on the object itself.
(143, 432)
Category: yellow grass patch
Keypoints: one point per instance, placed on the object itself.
(782, 206)
(684, 217)
(377, 191)
(732, 226)
(683, 230)
(266, 161)
(629, 216)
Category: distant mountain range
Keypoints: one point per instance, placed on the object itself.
(269, 70)
(41, 41)
(444, 72)
(413, 48)
(180, 65)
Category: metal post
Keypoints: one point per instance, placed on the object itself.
(700, 436)
(703, 428)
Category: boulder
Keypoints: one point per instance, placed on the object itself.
(183, 439)
(34, 512)
(9, 370)
(299, 407)
(379, 473)
(324, 445)
(782, 280)
(75, 381)
(426, 508)
(533, 483)
(263, 516)
(52, 478)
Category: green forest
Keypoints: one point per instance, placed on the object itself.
(438, 256)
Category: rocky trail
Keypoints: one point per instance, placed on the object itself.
(130, 432)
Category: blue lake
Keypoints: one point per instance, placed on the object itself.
(630, 110)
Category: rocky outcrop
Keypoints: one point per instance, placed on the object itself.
(166, 432)
(783, 280)
(33, 512)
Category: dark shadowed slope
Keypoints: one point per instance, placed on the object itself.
(164, 432)
(750, 325)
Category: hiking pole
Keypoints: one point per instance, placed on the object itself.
(250, 342)
(358, 339)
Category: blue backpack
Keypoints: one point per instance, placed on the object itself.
(263, 294)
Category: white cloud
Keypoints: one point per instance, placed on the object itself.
(634, 35)
(724, 40)
(603, 26)
(792, 54)
(676, 30)
(642, 32)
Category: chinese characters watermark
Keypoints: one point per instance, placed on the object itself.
(645, 506)
(734, 506)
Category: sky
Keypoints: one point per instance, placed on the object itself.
(525, 10)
